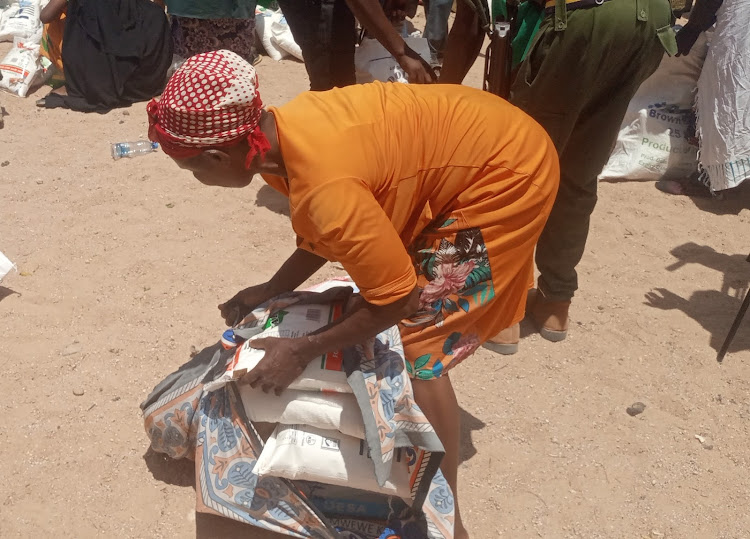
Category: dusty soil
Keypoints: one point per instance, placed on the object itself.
(122, 265)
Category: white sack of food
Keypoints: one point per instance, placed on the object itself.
(299, 452)
(264, 19)
(282, 38)
(20, 67)
(322, 374)
(21, 20)
(657, 138)
(372, 60)
(326, 411)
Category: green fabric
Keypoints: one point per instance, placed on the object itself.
(528, 20)
(530, 17)
(498, 8)
(212, 9)
(577, 84)
(668, 39)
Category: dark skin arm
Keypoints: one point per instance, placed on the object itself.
(464, 43)
(702, 17)
(296, 270)
(53, 10)
(374, 19)
(285, 359)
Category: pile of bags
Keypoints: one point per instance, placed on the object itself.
(21, 67)
(350, 450)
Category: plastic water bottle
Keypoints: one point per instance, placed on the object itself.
(132, 149)
(229, 340)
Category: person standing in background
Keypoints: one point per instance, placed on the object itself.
(723, 98)
(585, 64)
(437, 13)
(325, 31)
(199, 26)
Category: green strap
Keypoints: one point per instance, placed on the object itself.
(561, 16)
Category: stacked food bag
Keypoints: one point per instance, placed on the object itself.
(351, 452)
(20, 23)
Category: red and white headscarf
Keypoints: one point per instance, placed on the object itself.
(212, 101)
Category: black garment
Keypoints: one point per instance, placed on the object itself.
(115, 52)
(324, 30)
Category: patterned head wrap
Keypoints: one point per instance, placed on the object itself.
(211, 101)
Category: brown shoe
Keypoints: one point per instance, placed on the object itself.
(505, 342)
(551, 317)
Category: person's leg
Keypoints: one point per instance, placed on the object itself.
(324, 30)
(342, 36)
(305, 19)
(437, 400)
(581, 102)
(437, 13)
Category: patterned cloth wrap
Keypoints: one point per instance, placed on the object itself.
(184, 421)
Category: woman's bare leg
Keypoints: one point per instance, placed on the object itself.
(438, 402)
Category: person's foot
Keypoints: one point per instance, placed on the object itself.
(256, 59)
(551, 317)
(505, 342)
(691, 187)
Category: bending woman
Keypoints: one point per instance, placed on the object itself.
(438, 236)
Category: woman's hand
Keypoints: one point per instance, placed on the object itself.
(244, 302)
(283, 362)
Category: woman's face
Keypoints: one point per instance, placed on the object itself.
(220, 168)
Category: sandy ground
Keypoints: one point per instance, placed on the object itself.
(122, 265)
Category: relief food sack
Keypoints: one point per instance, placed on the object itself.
(299, 452)
(322, 374)
(373, 61)
(264, 20)
(657, 135)
(327, 411)
(19, 68)
(21, 20)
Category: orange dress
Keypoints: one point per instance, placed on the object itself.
(52, 40)
(442, 187)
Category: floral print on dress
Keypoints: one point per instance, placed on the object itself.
(457, 347)
(454, 272)
(458, 275)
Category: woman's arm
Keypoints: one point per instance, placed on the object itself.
(285, 359)
(343, 219)
(296, 270)
(53, 10)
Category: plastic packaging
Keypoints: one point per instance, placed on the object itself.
(5, 266)
(20, 67)
(21, 20)
(132, 149)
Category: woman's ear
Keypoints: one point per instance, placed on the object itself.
(218, 158)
